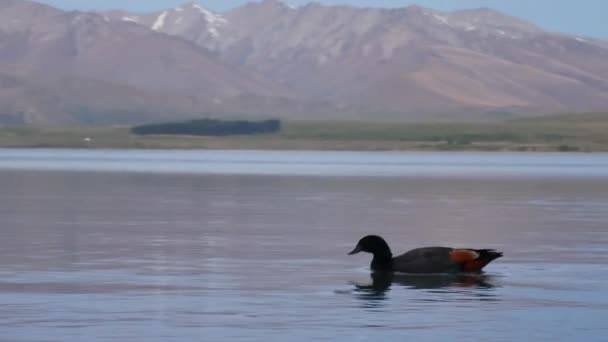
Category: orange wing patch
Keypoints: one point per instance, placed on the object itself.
(463, 255)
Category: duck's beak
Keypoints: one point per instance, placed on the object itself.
(356, 250)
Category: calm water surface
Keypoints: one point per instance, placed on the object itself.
(251, 246)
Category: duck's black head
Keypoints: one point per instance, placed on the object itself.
(373, 244)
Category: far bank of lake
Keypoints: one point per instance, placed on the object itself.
(564, 133)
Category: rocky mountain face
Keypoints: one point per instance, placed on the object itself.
(315, 61)
(79, 58)
(190, 21)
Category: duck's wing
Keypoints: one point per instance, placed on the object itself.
(426, 260)
(444, 260)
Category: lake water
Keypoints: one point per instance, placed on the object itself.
(251, 246)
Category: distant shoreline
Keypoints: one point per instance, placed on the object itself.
(353, 146)
(564, 133)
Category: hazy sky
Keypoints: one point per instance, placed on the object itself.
(584, 17)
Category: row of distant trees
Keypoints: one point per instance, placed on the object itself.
(210, 127)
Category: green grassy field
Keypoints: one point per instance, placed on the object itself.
(571, 132)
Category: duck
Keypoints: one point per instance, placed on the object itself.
(425, 260)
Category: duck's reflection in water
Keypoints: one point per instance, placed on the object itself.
(382, 282)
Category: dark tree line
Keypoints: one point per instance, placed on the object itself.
(210, 127)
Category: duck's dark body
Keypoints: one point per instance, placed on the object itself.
(426, 259)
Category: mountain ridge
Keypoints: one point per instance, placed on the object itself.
(308, 62)
(291, 46)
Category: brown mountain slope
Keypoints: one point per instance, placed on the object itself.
(132, 68)
(414, 61)
(268, 59)
(87, 45)
(26, 99)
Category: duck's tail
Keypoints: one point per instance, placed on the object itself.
(474, 260)
(488, 254)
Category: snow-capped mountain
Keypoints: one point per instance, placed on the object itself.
(190, 21)
(410, 59)
(46, 52)
(269, 58)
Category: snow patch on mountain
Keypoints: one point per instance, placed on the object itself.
(214, 21)
(130, 19)
(160, 21)
(441, 18)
